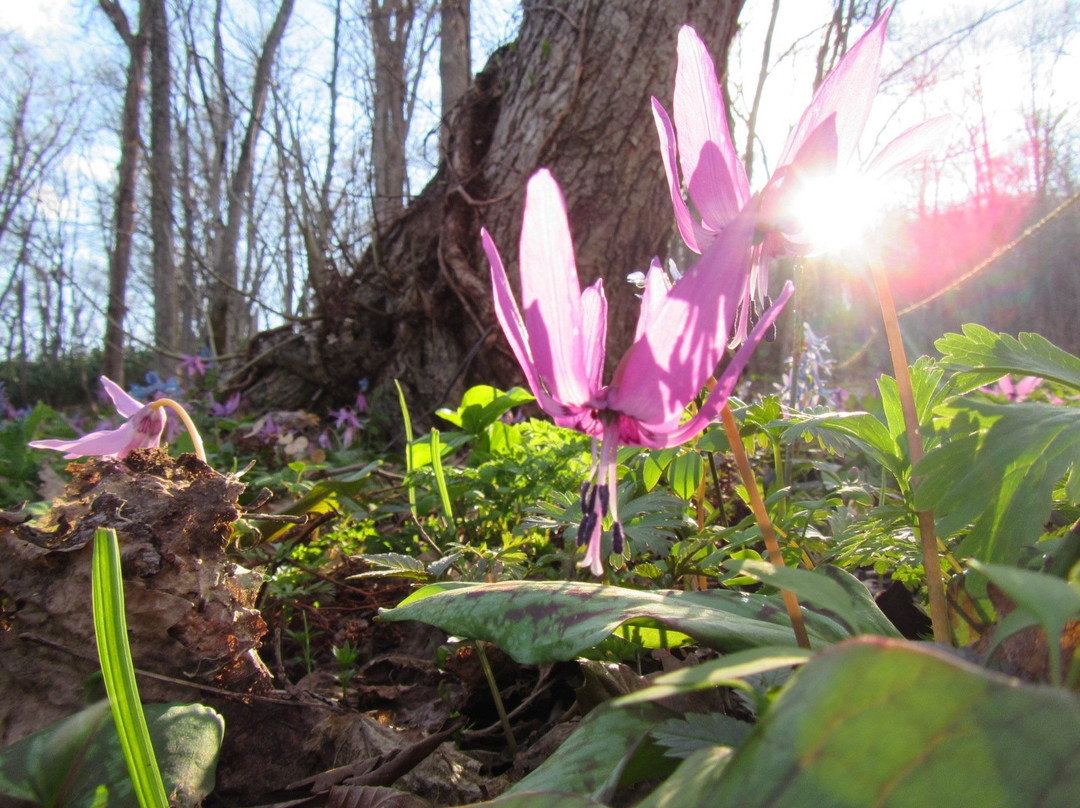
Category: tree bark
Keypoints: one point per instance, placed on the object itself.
(227, 316)
(455, 57)
(389, 21)
(166, 289)
(124, 203)
(573, 94)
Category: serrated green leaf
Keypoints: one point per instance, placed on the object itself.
(895, 725)
(545, 621)
(998, 470)
(683, 736)
(847, 429)
(981, 352)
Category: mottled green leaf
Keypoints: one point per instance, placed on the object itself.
(828, 588)
(544, 621)
(885, 723)
(597, 755)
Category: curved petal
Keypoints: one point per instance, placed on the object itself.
(103, 443)
(594, 332)
(725, 385)
(687, 335)
(912, 146)
(656, 289)
(715, 177)
(125, 404)
(551, 294)
(847, 92)
(693, 234)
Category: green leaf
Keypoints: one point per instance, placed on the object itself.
(544, 621)
(842, 430)
(654, 464)
(828, 588)
(68, 762)
(541, 799)
(896, 725)
(685, 474)
(599, 753)
(110, 629)
(1051, 601)
(998, 470)
(982, 356)
(683, 736)
(727, 671)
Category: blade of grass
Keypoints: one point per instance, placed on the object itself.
(440, 479)
(408, 450)
(118, 670)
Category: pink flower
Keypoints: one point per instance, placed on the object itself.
(823, 142)
(141, 429)
(346, 417)
(1013, 392)
(192, 364)
(682, 332)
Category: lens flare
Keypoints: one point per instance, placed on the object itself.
(838, 211)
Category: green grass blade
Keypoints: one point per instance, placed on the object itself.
(408, 449)
(110, 627)
(440, 478)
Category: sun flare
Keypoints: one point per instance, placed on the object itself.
(838, 211)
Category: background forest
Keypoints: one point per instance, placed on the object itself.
(179, 177)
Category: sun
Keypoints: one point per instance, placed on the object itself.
(838, 211)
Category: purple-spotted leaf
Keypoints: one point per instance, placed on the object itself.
(895, 725)
(544, 621)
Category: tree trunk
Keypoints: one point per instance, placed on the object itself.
(166, 289)
(124, 204)
(455, 58)
(389, 22)
(572, 94)
(227, 317)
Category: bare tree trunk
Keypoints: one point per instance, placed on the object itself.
(389, 21)
(124, 210)
(573, 95)
(166, 297)
(228, 315)
(455, 57)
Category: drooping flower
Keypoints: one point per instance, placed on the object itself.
(192, 364)
(559, 335)
(225, 409)
(346, 417)
(141, 429)
(824, 142)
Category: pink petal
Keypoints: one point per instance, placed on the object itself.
(550, 293)
(912, 146)
(714, 174)
(594, 332)
(686, 337)
(847, 92)
(725, 385)
(125, 404)
(691, 231)
(656, 289)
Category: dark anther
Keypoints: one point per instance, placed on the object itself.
(618, 542)
(585, 528)
(605, 497)
(584, 496)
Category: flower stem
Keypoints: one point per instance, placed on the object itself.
(489, 674)
(935, 587)
(196, 440)
(761, 515)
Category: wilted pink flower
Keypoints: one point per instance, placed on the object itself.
(682, 332)
(823, 142)
(141, 429)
